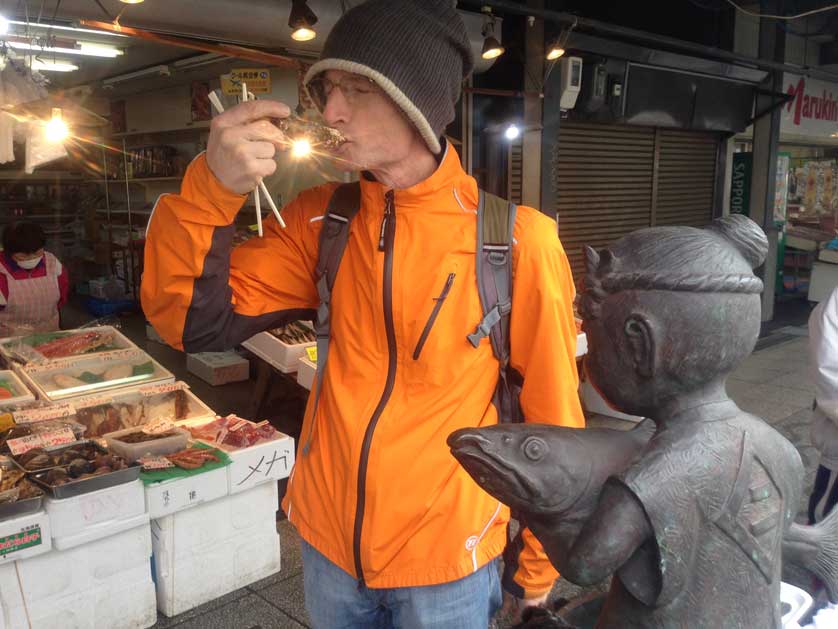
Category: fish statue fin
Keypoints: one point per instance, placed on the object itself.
(815, 549)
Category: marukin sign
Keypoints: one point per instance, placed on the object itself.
(814, 108)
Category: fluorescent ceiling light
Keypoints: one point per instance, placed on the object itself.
(95, 51)
(45, 26)
(162, 70)
(4, 25)
(199, 60)
(53, 66)
(99, 50)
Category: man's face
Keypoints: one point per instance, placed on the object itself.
(377, 132)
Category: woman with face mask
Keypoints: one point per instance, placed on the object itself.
(33, 283)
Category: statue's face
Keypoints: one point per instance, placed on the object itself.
(620, 360)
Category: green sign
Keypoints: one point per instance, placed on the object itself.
(740, 187)
(18, 541)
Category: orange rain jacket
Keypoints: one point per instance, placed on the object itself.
(379, 492)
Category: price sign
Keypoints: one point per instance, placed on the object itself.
(312, 353)
(43, 440)
(34, 415)
(156, 389)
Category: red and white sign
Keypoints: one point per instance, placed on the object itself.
(814, 109)
(42, 440)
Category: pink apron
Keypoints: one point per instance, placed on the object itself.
(32, 305)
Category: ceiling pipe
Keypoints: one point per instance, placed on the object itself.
(671, 43)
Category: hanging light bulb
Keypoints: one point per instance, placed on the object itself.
(492, 48)
(302, 21)
(559, 45)
(56, 130)
(131, 1)
(512, 133)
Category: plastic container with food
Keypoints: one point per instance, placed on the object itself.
(121, 410)
(12, 390)
(283, 347)
(133, 444)
(58, 380)
(50, 346)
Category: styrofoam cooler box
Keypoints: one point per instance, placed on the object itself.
(275, 352)
(306, 372)
(217, 368)
(103, 584)
(208, 551)
(23, 537)
(12, 608)
(269, 461)
(170, 496)
(70, 517)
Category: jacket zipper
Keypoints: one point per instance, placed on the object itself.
(437, 307)
(385, 244)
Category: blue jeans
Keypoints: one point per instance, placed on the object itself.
(334, 600)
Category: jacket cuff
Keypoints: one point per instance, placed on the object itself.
(202, 188)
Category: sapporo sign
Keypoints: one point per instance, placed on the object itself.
(813, 109)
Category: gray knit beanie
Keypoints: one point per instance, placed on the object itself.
(417, 51)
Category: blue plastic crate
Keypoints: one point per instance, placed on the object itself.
(106, 307)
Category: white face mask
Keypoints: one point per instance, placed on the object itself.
(30, 264)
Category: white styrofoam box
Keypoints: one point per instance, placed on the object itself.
(103, 584)
(71, 516)
(175, 495)
(823, 281)
(217, 368)
(99, 531)
(799, 603)
(275, 352)
(592, 401)
(306, 373)
(41, 377)
(268, 461)
(20, 393)
(26, 536)
(581, 344)
(203, 553)
(11, 598)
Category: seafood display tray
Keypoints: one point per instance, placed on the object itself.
(17, 349)
(19, 391)
(19, 508)
(42, 377)
(278, 354)
(84, 486)
(157, 447)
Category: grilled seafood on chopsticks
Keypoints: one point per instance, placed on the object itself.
(316, 133)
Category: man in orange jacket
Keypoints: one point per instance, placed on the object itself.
(394, 532)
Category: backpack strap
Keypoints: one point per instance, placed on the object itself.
(342, 208)
(495, 223)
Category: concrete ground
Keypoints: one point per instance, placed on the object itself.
(774, 383)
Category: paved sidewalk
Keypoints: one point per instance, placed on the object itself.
(773, 383)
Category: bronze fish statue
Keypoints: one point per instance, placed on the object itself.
(552, 477)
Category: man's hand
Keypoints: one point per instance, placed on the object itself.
(243, 142)
(513, 606)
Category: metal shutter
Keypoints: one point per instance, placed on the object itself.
(613, 179)
(602, 175)
(686, 178)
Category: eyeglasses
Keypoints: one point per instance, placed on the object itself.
(353, 87)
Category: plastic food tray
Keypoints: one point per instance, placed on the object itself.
(277, 353)
(84, 486)
(113, 411)
(19, 507)
(42, 376)
(20, 393)
(18, 349)
(158, 447)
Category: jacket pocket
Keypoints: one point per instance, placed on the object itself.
(437, 307)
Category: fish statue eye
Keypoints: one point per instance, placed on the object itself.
(535, 448)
